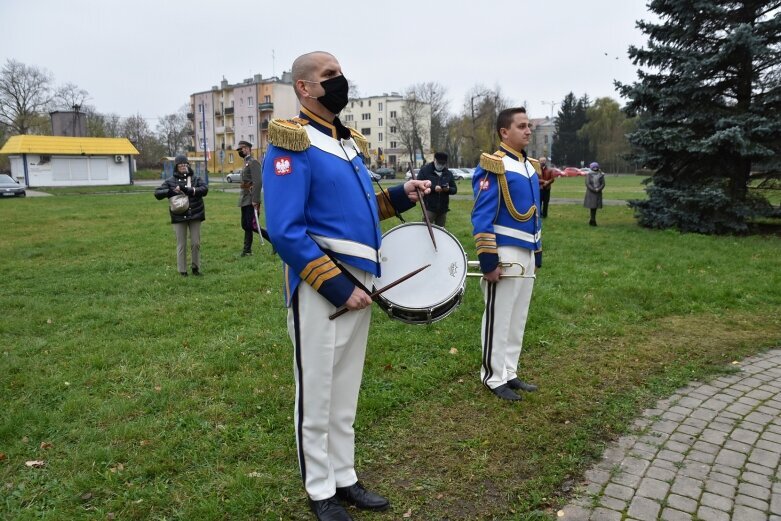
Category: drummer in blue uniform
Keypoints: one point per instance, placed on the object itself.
(323, 219)
(507, 231)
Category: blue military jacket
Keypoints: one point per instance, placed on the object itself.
(506, 210)
(320, 204)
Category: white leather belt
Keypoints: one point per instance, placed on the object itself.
(517, 234)
(345, 247)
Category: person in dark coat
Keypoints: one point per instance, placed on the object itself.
(595, 183)
(185, 182)
(442, 187)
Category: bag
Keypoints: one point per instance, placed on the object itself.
(179, 204)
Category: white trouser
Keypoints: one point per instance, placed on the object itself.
(504, 319)
(328, 365)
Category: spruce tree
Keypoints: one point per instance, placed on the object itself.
(569, 149)
(709, 101)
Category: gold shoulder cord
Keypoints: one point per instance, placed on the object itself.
(289, 135)
(493, 163)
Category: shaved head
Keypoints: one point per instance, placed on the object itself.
(305, 65)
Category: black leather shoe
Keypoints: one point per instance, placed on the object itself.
(329, 510)
(505, 393)
(358, 496)
(246, 253)
(517, 383)
(183, 273)
(196, 272)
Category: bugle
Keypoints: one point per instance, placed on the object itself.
(504, 265)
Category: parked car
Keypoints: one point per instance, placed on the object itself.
(555, 172)
(375, 176)
(585, 171)
(10, 188)
(571, 171)
(408, 176)
(386, 173)
(233, 176)
(461, 173)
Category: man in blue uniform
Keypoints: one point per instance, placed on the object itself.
(507, 230)
(323, 219)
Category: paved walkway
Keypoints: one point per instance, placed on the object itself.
(710, 452)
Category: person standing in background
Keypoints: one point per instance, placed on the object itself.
(443, 185)
(249, 194)
(595, 183)
(546, 180)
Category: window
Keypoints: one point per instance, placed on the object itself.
(200, 125)
(366, 131)
(545, 139)
(392, 130)
(266, 99)
(393, 144)
(252, 138)
(380, 106)
(379, 121)
(242, 120)
(348, 117)
(370, 103)
(230, 157)
(200, 107)
(249, 120)
(379, 136)
(366, 116)
(393, 114)
(361, 103)
(249, 101)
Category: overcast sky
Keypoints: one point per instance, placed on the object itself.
(147, 56)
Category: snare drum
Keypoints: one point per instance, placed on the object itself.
(436, 291)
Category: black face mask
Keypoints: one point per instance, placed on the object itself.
(336, 94)
(242, 154)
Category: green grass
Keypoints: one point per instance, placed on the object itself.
(171, 398)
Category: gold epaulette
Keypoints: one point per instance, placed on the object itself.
(361, 141)
(288, 134)
(536, 165)
(492, 163)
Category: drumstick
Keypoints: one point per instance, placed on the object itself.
(374, 294)
(425, 218)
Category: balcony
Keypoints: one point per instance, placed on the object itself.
(219, 130)
(228, 111)
(264, 125)
(266, 107)
(229, 130)
(218, 113)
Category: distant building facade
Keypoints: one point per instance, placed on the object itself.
(229, 113)
(379, 119)
(541, 144)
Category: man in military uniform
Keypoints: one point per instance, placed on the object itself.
(507, 230)
(323, 219)
(249, 194)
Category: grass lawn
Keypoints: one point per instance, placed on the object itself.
(152, 396)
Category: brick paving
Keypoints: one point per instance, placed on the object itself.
(710, 452)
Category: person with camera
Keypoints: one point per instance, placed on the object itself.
(187, 216)
(443, 185)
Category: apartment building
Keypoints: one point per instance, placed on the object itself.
(541, 144)
(229, 113)
(379, 119)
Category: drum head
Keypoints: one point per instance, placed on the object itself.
(408, 247)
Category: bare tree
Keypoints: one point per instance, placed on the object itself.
(412, 124)
(434, 94)
(25, 94)
(70, 97)
(136, 129)
(172, 131)
(353, 93)
(481, 108)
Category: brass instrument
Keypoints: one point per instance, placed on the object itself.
(476, 264)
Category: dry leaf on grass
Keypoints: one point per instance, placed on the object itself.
(46, 445)
(36, 463)
(453, 351)
(408, 513)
